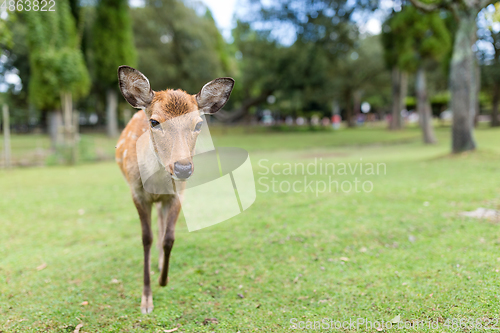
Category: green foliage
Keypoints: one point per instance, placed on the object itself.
(56, 62)
(178, 48)
(362, 70)
(112, 41)
(5, 34)
(412, 38)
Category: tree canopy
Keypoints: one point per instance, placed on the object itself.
(56, 61)
(112, 41)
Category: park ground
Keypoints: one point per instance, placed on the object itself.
(71, 253)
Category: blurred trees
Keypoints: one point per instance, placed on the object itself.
(360, 72)
(304, 56)
(416, 42)
(57, 66)
(464, 71)
(296, 73)
(490, 73)
(178, 48)
(112, 45)
(309, 55)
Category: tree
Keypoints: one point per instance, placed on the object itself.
(58, 71)
(298, 66)
(177, 48)
(112, 46)
(414, 42)
(490, 74)
(491, 77)
(357, 73)
(464, 71)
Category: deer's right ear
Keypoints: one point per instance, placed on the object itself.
(135, 87)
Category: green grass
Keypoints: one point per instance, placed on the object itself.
(409, 252)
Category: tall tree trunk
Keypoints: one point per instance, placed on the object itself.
(424, 108)
(357, 104)
(463, 84)
(111, 113)
(495, 122)
(55, 125)
(399, 91)
(69, 130)
(349, 117)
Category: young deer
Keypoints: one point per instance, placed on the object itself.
(158, 107)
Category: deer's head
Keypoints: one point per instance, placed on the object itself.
(174, 116)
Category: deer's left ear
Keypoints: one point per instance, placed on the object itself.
(214, 95)
(135, 87)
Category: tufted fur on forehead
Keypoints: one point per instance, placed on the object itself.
(172, 103)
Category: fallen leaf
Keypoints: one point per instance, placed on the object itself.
(77, 328)
(84, 303)
(210, 321)
(170, 331)
(42, 266)
(344, 258)
(115, 281)
(241, 296)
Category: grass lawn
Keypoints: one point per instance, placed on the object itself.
(71, 235)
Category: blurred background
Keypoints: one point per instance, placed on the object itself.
(413, 86)
(310, 65)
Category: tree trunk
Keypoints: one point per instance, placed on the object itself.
(463, 84)
(111, 113)
(6, 136)
(399, 91)
(495, 122)
(349, 118)
(55, 128)
(424, 108)
(357, 105)
(69, 130)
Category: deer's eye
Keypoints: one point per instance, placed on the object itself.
(198, 126)
(153, 123)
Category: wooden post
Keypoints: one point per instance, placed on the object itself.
(6, 136)
(76, 134)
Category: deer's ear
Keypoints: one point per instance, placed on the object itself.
(135, 87)
(214, 95)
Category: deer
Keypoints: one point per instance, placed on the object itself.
(157, 107)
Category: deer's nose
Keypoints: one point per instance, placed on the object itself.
(183, 171)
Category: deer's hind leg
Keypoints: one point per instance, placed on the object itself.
(170, 212)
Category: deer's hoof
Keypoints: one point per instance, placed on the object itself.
(163, 283)
(147, 304)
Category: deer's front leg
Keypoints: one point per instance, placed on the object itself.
(144, 210)
(174, 208)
